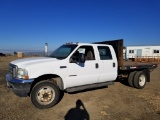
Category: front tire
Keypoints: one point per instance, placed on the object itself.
(45, 94)
(140, 80)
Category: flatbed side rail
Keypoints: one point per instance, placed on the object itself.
(151, 67)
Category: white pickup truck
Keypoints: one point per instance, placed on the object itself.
(73, 67)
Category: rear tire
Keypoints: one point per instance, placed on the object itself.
(140, 80)
(131, 78)
(45, 94)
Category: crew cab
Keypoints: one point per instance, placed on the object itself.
(73, 67)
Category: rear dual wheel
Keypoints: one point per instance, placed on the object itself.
(140, 80)
(137, 79)
(131, 78)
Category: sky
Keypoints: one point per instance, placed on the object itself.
(29, 24)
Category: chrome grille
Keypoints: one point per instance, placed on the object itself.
(12, 70)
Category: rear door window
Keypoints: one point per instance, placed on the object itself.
(104, 53)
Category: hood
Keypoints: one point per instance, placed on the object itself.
(21, 63)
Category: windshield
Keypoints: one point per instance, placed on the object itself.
(63, 51)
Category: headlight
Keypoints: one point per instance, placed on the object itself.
(22, 73)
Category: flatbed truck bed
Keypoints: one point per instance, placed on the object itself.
(137, 65)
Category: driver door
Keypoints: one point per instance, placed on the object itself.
(83, 73)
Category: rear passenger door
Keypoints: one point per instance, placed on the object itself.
(107, 63)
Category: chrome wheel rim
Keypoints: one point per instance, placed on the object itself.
(45, 95)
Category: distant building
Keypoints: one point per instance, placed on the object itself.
(20, 54)
(142, 52)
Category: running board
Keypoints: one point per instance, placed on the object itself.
(90, 86)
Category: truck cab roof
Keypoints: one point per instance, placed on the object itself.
(86, 44)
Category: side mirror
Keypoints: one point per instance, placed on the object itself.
(81, 58)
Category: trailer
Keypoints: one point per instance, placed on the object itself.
(142, 52)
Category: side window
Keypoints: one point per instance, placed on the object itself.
(155, 51)
(131, 51)
(87, 51)
(104, 53)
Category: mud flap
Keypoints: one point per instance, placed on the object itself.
(147, 72)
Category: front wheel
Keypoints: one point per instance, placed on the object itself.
(45, 94)
(140, 80)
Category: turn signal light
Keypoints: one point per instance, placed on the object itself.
(26, 77)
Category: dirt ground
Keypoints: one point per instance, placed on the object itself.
(117, 102)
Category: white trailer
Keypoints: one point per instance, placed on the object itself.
(142, 52)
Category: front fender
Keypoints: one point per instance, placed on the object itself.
(58, 68)
(62, 74)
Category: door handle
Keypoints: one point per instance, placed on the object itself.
(114, 64)
(97, 66)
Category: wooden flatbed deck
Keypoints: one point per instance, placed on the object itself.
(125, 63)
